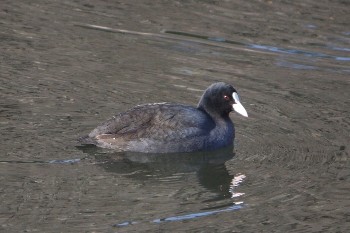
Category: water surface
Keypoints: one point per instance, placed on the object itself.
(68, 66)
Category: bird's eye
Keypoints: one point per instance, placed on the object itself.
(226, 97)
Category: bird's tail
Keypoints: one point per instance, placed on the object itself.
(86, 140)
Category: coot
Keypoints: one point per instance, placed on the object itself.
(171, 127)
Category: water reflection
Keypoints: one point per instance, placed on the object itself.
(273, 49)
(268, 48)
(195, 215)
(309, 26)
(284, 63)
(208, 167)
(337, 48)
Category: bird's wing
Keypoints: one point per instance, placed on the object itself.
(165, 121)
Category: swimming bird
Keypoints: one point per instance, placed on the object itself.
(172, 127)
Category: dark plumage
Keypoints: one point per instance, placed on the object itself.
(170, 127)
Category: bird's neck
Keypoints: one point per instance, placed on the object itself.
(216, 116)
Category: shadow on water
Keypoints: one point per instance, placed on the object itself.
(209, 167)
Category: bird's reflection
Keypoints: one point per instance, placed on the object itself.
(209, 166)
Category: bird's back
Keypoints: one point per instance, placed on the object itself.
(157, 128)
